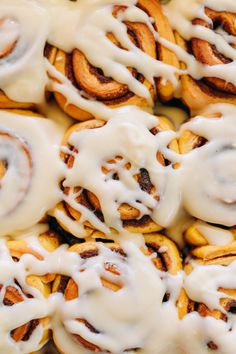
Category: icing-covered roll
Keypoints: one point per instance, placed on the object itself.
(209, 284)
(111, 68)
(207, 34)
(28, 144)
(207, 145)
(25, 329)
(112, 276)
(119, 175)
(23, 33)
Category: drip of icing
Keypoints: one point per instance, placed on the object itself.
(28, 146)
(27, 23)
(180, 18)
(214, 235)
(203, 283)
(87, 31)
(209, 189)
(126, 134)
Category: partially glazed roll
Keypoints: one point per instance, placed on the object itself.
(124, 182)
(207, 144)
(212, 254)
(129, 37)
(25, 330)
(210, 42)
(116, 274)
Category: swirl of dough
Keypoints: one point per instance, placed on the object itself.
(23, 34)
(118, 296)
(208, 145)
(24, 171)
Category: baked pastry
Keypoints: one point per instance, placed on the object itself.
(114, 263)
(22, 168)
(26, 332)
(210, 49)
(211, 246)
(207, 145)
(86, 198)
(23, 74)
(77, 66)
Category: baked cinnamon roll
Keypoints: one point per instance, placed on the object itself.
(112, 87)
(22, 167)
(19, 291)
(213, 253)
(118, 274)
(207, 89)
(207, 144)
(135, 191)
(23, 77)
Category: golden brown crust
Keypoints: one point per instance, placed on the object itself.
(129, 215)
(91, 80)
(197, 94)
(167, 259)
(205, 254)
(14, 293)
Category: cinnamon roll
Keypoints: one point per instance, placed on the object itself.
(211, 43)
(23, 32)
(115, 274)
(22, 169)
(130, 36)
(207, 143)
(123, 182)
(19, 290)
(213, 253)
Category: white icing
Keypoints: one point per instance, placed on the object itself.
(180, 17)
(23, 73)
(86, 30)
(29, 186)
(209, 188)
(136, 308)
(214, 235)
(126, 134)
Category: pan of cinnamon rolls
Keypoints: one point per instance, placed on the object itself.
(117, 176)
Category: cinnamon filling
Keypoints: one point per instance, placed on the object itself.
(162, 260)
(23, 333)
(208, 54)
(93, 81)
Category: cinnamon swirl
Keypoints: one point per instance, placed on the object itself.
(81, 332)
(212, 254)
(128, 35)
(127, 187)
(206, 34)
(22, 169)
(207, 143)
(19, 290)
(23, 33)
